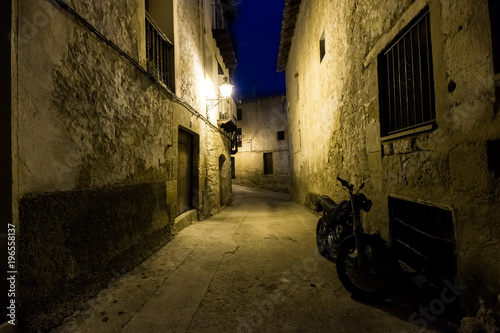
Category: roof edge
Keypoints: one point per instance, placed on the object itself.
(290, 13)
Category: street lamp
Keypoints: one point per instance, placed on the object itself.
(225, 89)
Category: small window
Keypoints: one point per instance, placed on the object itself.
(239, 137)
(281, 135)
(268, 163)
(494, 9)
(406, 82)
(422, 235)
(219, 68)
(493, 153)
(322, 49)
(239, 113)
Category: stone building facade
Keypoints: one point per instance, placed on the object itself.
(402, 95)
(263, 158)
(113, 144)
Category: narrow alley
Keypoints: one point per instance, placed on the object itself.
(252, 268)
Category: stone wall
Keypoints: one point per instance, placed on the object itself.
(260, 123)
(96, 148)
(334, 122)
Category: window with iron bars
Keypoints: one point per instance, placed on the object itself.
(405, 79)
(158, 53)
(423, 236)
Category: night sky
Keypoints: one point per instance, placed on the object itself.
(256, 35)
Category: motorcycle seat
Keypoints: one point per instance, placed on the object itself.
(328, 204)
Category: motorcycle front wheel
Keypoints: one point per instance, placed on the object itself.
(322, 242)
(377, 279)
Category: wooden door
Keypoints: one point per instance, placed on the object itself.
(184, 172)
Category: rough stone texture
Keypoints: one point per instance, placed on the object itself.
(115, 20)
(74, 242)
(261, 121)
(334, 110)
(190, 63)
(97, 148)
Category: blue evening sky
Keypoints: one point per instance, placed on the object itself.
(256, 35)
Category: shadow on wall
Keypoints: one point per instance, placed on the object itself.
(75, 242)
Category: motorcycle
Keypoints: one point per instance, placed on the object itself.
(366, 266)
(334, 225)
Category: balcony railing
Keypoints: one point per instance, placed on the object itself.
(218, 19)
(158, 48)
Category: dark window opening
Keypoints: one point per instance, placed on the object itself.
(493, 153)
(423, 236)
(268, 163)
(322, 47)
(494, 9)
(239, 137)
(219, 68)
(233, 168)
(239, 114)
(406, 81)
(281, 135)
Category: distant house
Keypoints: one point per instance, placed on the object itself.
(263, 158)
(119, 137)
(403, 95)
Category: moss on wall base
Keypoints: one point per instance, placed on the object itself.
(73, 243)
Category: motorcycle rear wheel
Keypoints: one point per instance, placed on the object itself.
(377, 280)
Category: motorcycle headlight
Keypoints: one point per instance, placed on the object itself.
(366, 204)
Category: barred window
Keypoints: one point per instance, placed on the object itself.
(159, 48)
(406, 81)
(422, 235)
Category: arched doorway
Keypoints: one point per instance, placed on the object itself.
(222, 159)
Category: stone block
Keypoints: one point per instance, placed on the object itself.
(403, 146)
(424, 142)
(469, 169)
(388, 148)
(373, 137)
(171, 196)
(185, 220)
(375, 163)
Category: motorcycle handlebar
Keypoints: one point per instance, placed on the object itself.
(343, 182)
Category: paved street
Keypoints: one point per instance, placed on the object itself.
(252, 268)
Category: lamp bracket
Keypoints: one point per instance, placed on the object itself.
(213, 102)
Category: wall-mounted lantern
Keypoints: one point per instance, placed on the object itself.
(225, 89)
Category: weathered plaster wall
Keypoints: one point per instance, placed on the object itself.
(334, 121)
(190, 77)
(97, 150)
(260, 123)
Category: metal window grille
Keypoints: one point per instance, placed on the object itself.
(218, 19)
(281, 135)
(422, 235)
(406, 80)
(158, 48)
